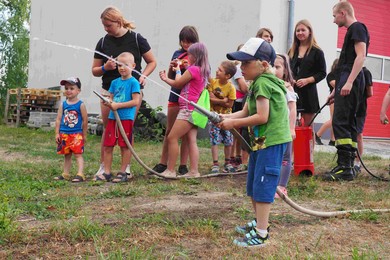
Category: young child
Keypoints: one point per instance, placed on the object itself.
(222, 96)
(266, 113)
(331, 81)
(192, 84)
(124, 93)
(361, 115)
(283, 72)
(71, 129)
(187, 36)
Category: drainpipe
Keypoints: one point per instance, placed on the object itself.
(290, 28)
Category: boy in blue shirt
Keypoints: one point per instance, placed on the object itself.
(124, 93)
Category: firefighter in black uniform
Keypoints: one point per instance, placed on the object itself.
(348, 93)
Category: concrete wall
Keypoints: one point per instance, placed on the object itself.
(222, 26)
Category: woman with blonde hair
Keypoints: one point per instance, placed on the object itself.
(120, 38)
(309, 67)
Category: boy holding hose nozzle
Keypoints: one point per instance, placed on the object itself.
(124, 93)
(266, 113)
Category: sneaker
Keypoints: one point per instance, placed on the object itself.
(248, 227)
(251, 239)
(214, 169)
(357, 170)
(228, 167)
(101, 170)
(182, 169)
(159, 168)
(318, 140)
(284, 191)
(332, 143)
(235, 162)
(242, 167)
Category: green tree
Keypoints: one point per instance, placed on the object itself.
(14, 46)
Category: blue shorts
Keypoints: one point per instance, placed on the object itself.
(263, 173)
(217, 136)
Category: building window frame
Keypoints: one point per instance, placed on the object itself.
(384, 59)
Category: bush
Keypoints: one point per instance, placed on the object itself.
(149, 124)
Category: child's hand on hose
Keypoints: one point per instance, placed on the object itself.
(226, 124)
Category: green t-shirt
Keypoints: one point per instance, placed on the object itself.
(277, 129)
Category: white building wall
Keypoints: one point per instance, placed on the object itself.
(222, 26)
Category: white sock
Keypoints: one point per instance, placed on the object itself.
(262, 232)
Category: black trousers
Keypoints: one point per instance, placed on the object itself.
(345, 108)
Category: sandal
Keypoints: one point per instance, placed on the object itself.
(62, 177)
(120, 177)
(78, 178)
(103, 177)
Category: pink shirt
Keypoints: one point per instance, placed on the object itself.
(192, 89)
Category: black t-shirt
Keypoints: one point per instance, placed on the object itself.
(367, 79)
(331, 76)
(362, 109)
(172, 97)
(113, 46)
(357, 32)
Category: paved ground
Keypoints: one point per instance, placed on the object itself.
(374, 147)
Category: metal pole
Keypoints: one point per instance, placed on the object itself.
(290, 27)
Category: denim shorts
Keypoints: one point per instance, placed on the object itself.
(263, 172)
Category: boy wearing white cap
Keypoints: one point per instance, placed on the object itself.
(266, 113)
(71, 129)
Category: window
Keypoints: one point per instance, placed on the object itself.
(374, 65)
(386, 71)
(379, 66)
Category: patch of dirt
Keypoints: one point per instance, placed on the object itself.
(293, 234)
(9, 156)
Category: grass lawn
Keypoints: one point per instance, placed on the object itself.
(148, 218)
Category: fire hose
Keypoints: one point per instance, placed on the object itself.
(281, 194)
(213, 116)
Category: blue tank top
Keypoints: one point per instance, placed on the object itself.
(71, 121)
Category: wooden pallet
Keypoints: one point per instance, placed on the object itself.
(30, 99)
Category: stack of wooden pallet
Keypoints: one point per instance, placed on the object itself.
(22, 102)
